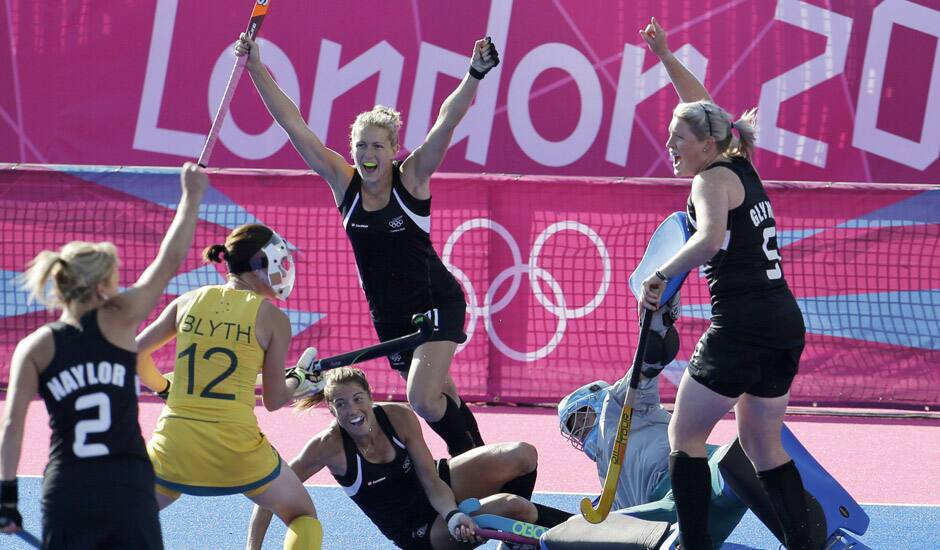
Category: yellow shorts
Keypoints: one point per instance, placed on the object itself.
(206, 458)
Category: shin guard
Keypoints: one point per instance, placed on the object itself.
(522, 486)
(471, 424)
(691, 486)
(304, 533)
(453, 429)
(550, 517)
(785, 489)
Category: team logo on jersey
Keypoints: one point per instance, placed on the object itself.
(419, 532)
(376, 481)
(397, 222)
(406, 464)
(395, 357)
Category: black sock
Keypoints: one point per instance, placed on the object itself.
(785, 489)
(453, 429)
(471, 424)
(691, 486)
(550, 517)
(522, 485)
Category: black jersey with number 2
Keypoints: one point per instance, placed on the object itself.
(90, 389)
(401, 273)
(749, 294)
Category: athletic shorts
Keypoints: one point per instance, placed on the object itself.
(448, 321)
(104, 502)
(731, 367)
(205, 458)
(420, 536)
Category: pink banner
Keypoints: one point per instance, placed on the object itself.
(847, 90)
(545, 265)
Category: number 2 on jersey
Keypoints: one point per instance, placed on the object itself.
(190, 353)
(771, 253)
(83, 428)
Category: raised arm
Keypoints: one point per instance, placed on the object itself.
(324, 161)
(423, 161)
(710, 195)
(134, 305)
(687, 86)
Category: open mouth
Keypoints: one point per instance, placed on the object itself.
(675, 158)
(370, 166)
(357, 420)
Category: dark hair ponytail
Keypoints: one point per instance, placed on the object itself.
(241, 245)
(215, 253)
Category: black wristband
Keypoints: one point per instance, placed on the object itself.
(660, 276)
(449, 515)
(165, 394)
(9, 493)
(476, 74)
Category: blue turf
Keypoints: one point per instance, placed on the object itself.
(221, 523)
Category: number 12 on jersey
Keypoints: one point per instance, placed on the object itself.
(190, 354)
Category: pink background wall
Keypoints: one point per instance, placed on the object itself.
(545, 263)
(848, 91)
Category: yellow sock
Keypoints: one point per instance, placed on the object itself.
(304, 533)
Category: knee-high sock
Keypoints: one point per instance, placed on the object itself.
(691, 485)
(304, 533)
(522, 485)
(453, 429)
(471, 424)
(785, 488)
(550, 517)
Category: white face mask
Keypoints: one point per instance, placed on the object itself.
(579, 415)
(280, 268)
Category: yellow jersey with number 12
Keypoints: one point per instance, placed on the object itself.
(207, 440)
(218, 357)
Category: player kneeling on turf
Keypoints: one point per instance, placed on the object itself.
(377, 453)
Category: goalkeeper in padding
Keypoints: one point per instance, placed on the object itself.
(589, 418)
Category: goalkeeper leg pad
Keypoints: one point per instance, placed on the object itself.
(840, 540)
(825, 494)
(304, 533)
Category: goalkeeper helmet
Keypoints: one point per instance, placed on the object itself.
(579, 414)
(279, 265)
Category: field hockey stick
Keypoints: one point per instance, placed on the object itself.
(619, 451)
(397, 345)
(492, 534)
(254, 26)
(28, 538)
(527, 533)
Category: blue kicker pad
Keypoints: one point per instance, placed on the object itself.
(665, 242)
(830, 506)
(500, 523)
(837, 504)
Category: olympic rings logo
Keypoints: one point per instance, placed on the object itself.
(559, 307)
